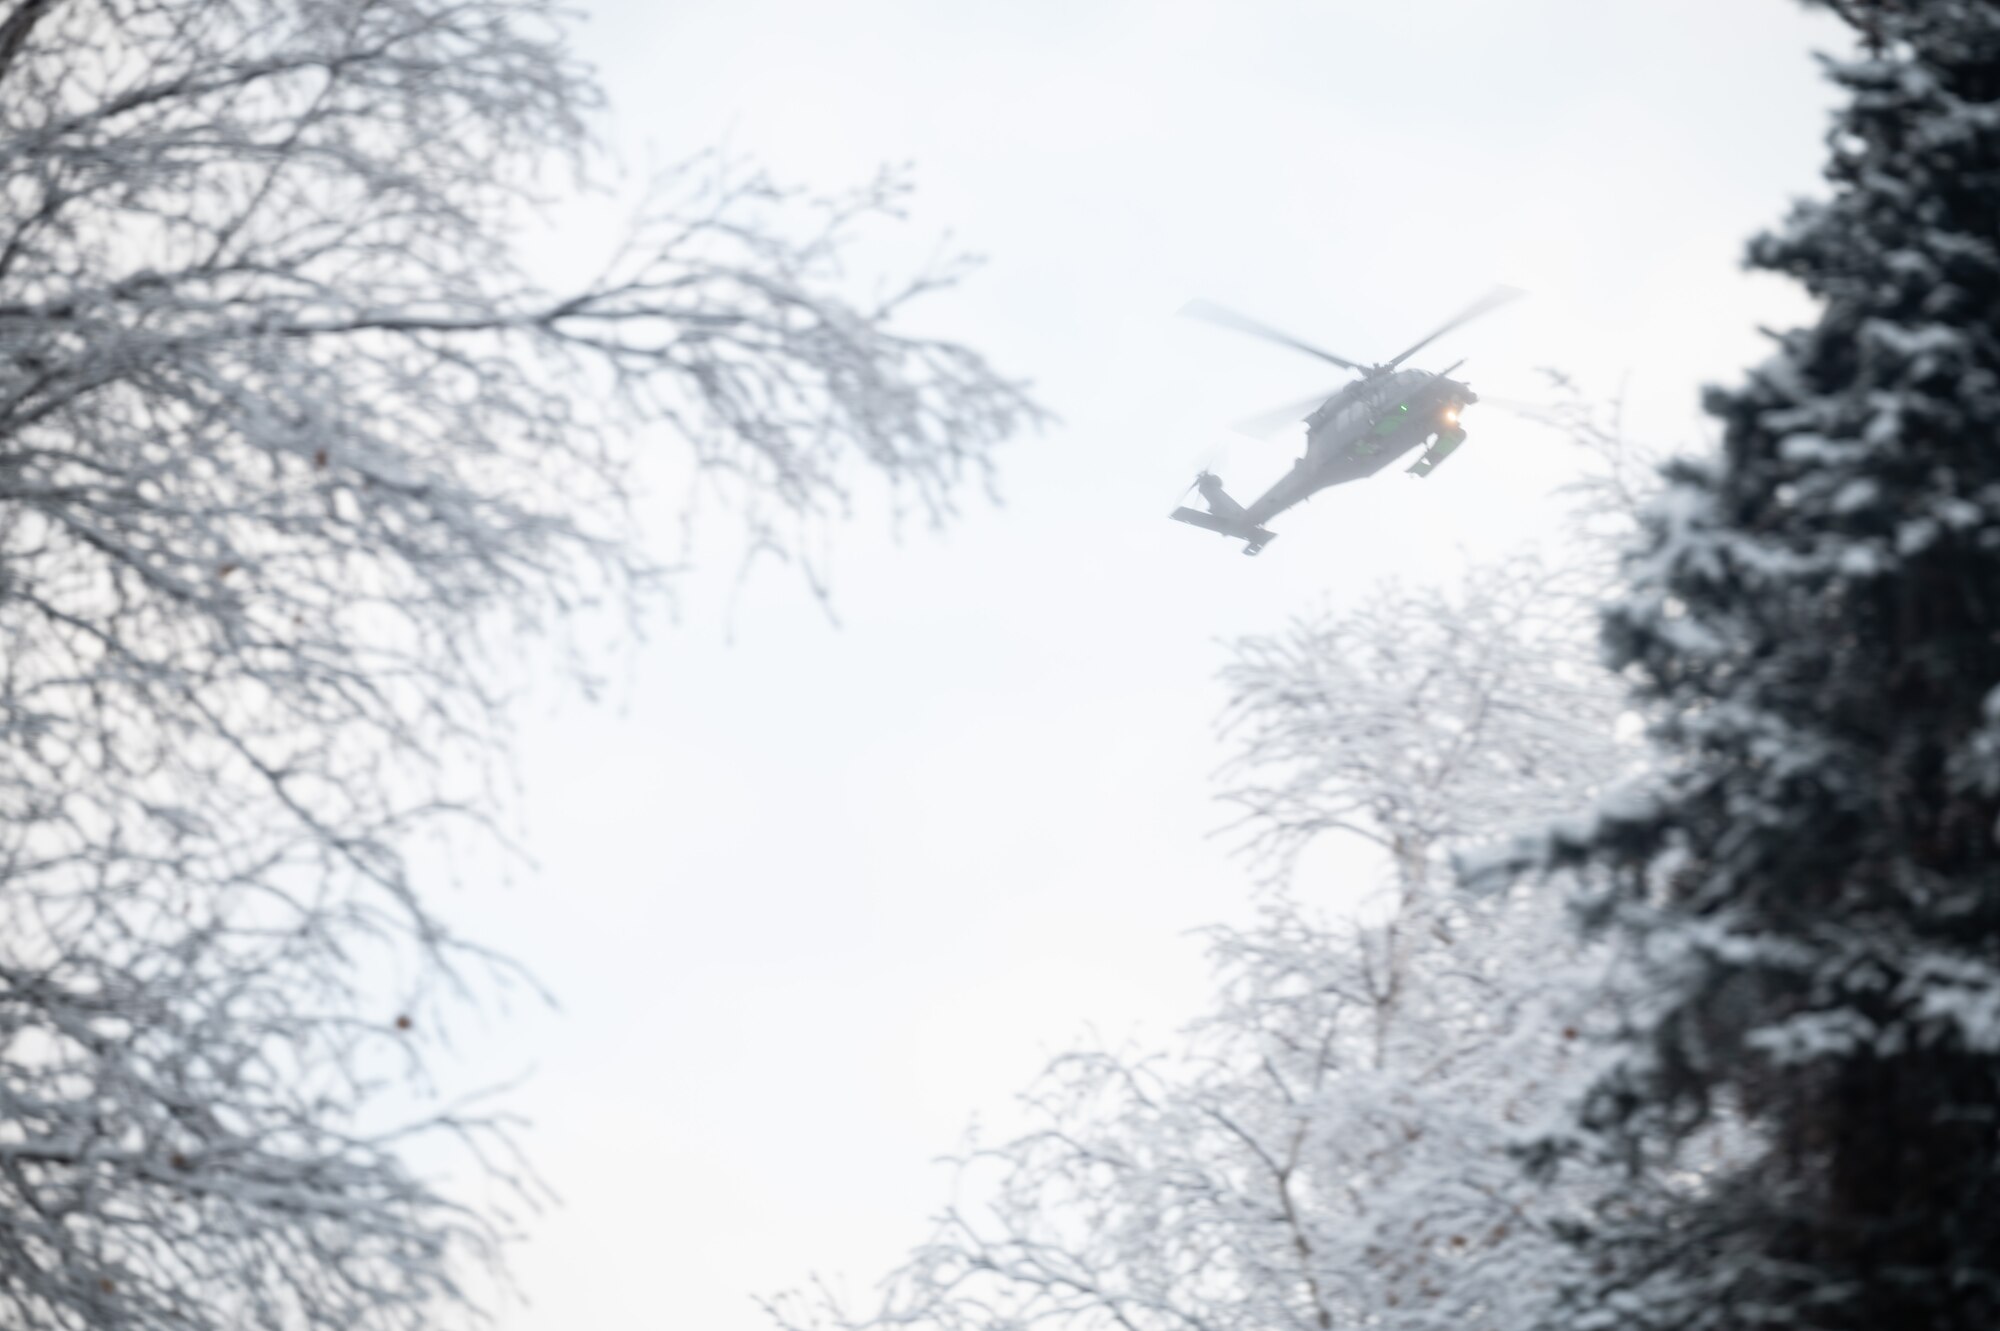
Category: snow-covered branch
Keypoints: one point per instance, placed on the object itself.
(292, 454)
(1421, 718)
(1334, 1143)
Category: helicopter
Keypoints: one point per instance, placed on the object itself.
(1356, 431)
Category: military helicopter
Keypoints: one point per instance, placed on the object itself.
(1354, 432)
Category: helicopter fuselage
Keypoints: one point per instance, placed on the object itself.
(1366, 426)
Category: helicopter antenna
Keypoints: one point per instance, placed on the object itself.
(1210, 312)
(1487, 303)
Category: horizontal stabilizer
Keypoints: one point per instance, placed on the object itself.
(1257, 536)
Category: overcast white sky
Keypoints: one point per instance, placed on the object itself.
(814, 896)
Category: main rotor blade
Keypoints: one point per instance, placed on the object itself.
(1267, 423)
(1216, 314)
(1492, 300)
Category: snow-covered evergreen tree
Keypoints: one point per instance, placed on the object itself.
(1814, 883)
